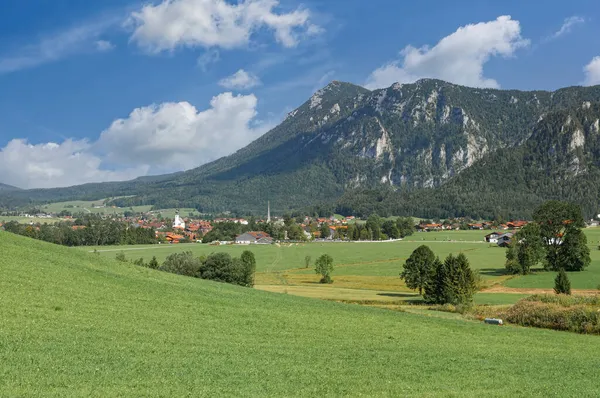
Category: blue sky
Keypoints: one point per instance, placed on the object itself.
(110, 90)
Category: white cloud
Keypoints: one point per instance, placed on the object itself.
(153, 139)
(52, 48)
(104, 45)
(567, 26)
(240, 80)
(56, 165)
(176, 136)
(592, 72)
(215, 23)
(458, 58)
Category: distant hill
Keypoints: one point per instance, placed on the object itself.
(411, 144)
(73, 322)
(6, 188)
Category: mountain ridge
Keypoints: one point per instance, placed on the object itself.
(344, 138)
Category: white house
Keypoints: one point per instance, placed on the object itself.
(504, 239)
(492, 237)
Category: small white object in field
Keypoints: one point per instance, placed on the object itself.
(493, 321)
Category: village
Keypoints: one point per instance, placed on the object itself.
(250, 231)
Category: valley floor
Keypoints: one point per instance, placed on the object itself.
(370, 271)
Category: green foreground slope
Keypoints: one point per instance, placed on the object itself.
(74, 324)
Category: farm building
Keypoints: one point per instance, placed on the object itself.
(505, 239)
(254, 237)
(492, 237)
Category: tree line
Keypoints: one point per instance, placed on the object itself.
(91, 230)
(218, 267)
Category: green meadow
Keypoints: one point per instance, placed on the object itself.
(78, 324)
(28, 220)
(368, 270)
(368, 258)
(87, 206)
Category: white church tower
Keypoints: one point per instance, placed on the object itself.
(178, 223)
(268, 211)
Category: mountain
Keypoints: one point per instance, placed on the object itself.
(6, 188)
(560, 160)
(410, 143)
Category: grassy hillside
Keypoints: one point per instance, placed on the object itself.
(76, 324)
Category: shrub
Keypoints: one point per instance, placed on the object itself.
(575, 318)
(121, 257)
(324, 266)
(221, 267)
(140, 262)
(565, 301)
(182, 264)
(562, 285)
(307, 261)
(153, 263)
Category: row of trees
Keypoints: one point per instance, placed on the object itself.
(219, 267)
(375, 228)
(555, 239)
(89, 231)
(449, 282)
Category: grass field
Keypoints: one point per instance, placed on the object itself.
(375, 259)
(87, 206)
(372, 269)
(28, 220)
(77, 324)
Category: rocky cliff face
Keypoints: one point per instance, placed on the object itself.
(418, 135)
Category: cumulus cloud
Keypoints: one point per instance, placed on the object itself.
(458, 58)
(152, 139)
(176, 136)
(567, 25)
(56, 165)
(240, 80)
(592, 72)
(215, 23)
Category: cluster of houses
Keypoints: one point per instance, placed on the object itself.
(455, 226)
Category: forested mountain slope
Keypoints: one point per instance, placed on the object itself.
(404, 142)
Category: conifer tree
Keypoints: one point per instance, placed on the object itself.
(562, 285)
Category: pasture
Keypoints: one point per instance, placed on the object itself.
(96, 207)
(78, 324)
(90, 207)
(369, 270)
(29, 220)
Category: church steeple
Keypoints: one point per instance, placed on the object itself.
(268, 211)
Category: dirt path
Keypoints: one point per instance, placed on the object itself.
(514, 290)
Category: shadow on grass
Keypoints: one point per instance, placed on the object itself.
(398, 294)
(493, 271)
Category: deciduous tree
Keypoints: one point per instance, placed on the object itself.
(557, 220)
(526, 250)
(419, 268)
(324, 267)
